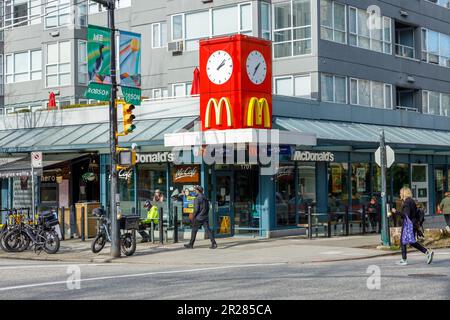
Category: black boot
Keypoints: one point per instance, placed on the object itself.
(189, 246)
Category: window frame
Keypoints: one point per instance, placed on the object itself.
(12, 75)
(424, 51)
(370, 37)
(334, 87)
(56, 7)
(58, 64)
(160, 34)
(333, 28)
(371, 93)
(81, 62)
(292, 78)
(210, 34)
(291, 29)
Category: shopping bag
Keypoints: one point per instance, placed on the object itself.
(408, 236)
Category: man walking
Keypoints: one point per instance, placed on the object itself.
(201, 210)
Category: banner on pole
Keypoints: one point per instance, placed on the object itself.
(130, 66)
(99, 63)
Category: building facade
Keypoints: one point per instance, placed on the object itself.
(342, 71)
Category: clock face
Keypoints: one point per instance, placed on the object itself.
(256, 67)
(219, 67)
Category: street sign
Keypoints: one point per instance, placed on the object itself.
(390, 156)
(36, 159)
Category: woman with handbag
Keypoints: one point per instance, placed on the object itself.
(409, 229)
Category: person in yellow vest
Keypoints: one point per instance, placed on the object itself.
(152, 216)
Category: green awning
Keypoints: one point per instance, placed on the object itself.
(88, 136)
(333, 131)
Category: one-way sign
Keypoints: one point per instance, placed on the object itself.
(390, 156)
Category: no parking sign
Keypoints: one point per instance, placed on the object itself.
(36, 159)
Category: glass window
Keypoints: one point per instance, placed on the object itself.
(197, 27)
(360, 185)
(445, 104)
(82, 62)
(224, 20)
(302, 86)
(333, 21)
(177, 27)
(292, 32)
(245, 18)
(370, 93)
(388, 96)
(364, 92)
(378, 94)
(152, 186)
(377, 39)
(36, 65)
(340, 90)
(433, 103)
(21, 67)
(283, 86)
(306, 189)
(338, 187)
(327, 85)
(285, 196)
(159, 35)
(265, 20)
(58, 64)
(179, 89)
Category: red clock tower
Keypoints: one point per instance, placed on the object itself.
(236, 83)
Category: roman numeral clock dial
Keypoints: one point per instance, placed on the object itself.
(219, 67)
(256, 67)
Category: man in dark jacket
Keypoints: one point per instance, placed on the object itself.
(201, 218)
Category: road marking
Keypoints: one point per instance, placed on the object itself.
(44, 284)
(54, 266)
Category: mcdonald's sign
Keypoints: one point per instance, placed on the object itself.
(218, 107)
(258, 113)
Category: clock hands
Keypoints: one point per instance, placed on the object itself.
(256, 69)
(221, 65)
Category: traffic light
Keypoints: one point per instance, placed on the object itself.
(128, 118)
(126, 157)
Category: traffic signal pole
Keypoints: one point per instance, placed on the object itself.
(114, 191)
(113, 139)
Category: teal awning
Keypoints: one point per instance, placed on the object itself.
(333, 131)
(88, 136)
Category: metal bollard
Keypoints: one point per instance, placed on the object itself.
(72, 222)
(152, 231)
(363, 218)
(82, 224)
(346, 218)
(63, 224)
(329, 225)
(161, 226)
(309, 223)
(175, 225)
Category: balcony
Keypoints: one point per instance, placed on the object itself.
(406, 99)
(405, 40)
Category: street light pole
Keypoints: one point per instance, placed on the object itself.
(385, 237)
(113, 140)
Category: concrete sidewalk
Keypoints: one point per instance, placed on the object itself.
(230, 251)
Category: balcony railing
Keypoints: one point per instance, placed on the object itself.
(407, 108)
(404, 51)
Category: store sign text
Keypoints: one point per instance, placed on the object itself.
(155, 157)
(313, 156)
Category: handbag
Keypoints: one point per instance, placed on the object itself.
(408, 236)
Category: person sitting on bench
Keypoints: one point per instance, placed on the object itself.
(152, 216)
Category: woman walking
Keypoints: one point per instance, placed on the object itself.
(409, 229)
(445, 208)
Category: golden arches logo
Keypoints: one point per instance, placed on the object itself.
(218, 109)
(258, 111)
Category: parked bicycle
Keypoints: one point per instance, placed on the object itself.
(41, 236)
(127, 225)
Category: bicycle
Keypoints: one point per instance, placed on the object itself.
(41, 236)
(127, 238)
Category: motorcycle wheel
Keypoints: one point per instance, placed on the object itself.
(128, 243)
(98, 244)
(52, 243)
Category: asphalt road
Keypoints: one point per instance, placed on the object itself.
(331, 280)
